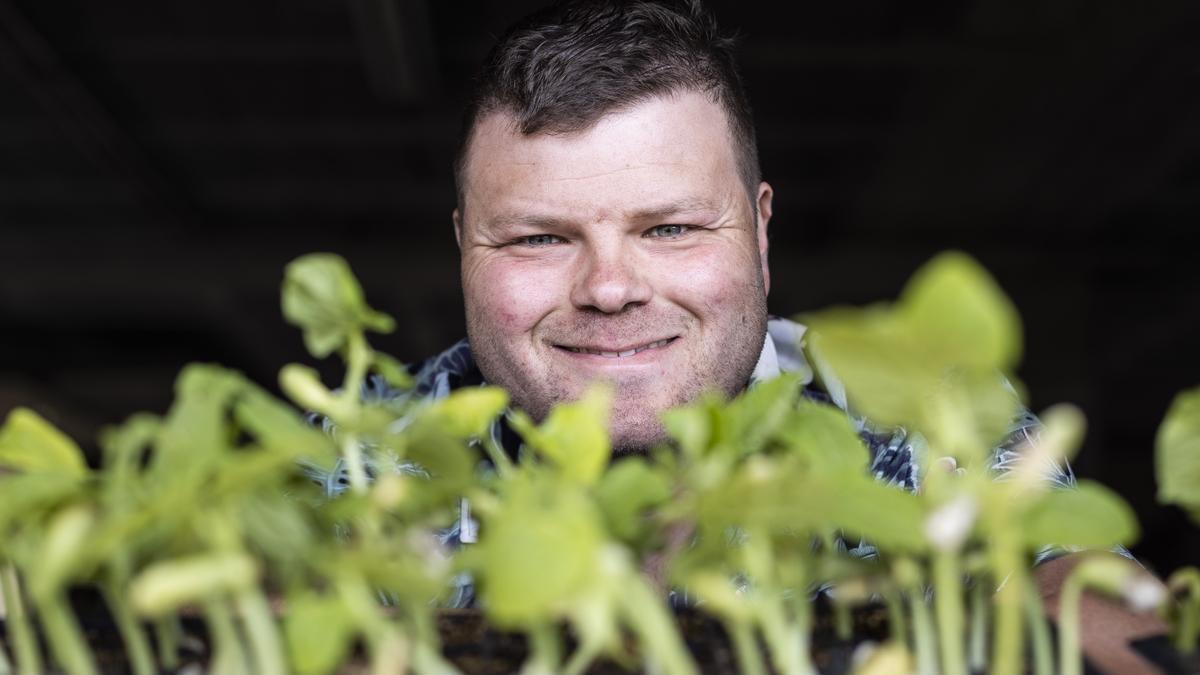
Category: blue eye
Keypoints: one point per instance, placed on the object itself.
(667, 231)
(539, 240)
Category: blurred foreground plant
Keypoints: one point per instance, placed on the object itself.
(750, 512)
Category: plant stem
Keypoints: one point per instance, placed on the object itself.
(1039, 631)
(427, 653)
(1070, 659)
(924, 633)
(62, 633)
(782, 637)
(582, 658)
(801, 606)
(265, 645)
(1186, 582)
(948, 604)
(137, 647)
(545, 649)
(496, 454)
(1009, 566)
(656, 629)
(166, 634)
(24, 644)
(749, 657)
(228, 655)
(977, 658)
(897, 624)
(358, 358)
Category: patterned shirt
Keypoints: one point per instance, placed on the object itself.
(895, 454)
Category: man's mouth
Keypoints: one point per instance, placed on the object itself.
(617, 353)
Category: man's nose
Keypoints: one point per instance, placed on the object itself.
(610, 280)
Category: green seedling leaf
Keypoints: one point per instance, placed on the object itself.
(303, 385)
(692, 426)
(27, 497)
(31, 444)
(196, 431)
(625, 492)
(1177, 454)
(279, 428)
(322, 297)
(165, 586)
(277, 526)
(825, 438)
(393, 371)
(886, 516)
(468, 412)
(863, 358)
(959, 316)
(751, 419)
(123, 448)
(318, 631)
(1088, 516)
(537, 552)
(935, 361)
(574, 436)
(63, 551)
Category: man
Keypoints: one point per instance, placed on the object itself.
(613, 226)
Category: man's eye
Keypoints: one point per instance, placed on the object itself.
(667, 231)
(539, 240)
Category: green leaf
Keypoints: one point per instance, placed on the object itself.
(31, 444)
(322, 297)
(279, 428)
(63, 551)
(864, 356)
(1177, 454)
(318, 631)
(574, 436)
(537, 552)
(825, 438)
(196, 430)
(959, 315)
(1088, 516)
(884, 515)
(751, 419)
(27, 497)
(467, 412)
(123, 445)
(626, 491)
(393, 371)
(164, 586)
(692, 426)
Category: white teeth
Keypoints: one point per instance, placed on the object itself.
(615, 355)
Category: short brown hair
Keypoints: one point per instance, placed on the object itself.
(563, 68)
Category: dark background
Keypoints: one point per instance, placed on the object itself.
(160, 161)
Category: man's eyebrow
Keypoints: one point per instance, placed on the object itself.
(654, 212)
(533, 220)
(668, 209)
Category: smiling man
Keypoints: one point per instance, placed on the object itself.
(613, 226)
(611, 217)
(630, 251)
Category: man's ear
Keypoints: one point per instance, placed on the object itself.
(765, 193)
(457, 218)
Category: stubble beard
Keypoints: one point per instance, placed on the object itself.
(724, 366)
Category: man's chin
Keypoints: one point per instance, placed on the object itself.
(639, 440)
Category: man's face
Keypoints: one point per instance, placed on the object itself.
(627, 252)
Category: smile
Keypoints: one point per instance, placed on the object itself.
(618, 353)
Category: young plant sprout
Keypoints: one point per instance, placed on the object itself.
(1177, 464)
(295, 544)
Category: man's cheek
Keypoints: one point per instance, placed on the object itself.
(515, 299)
